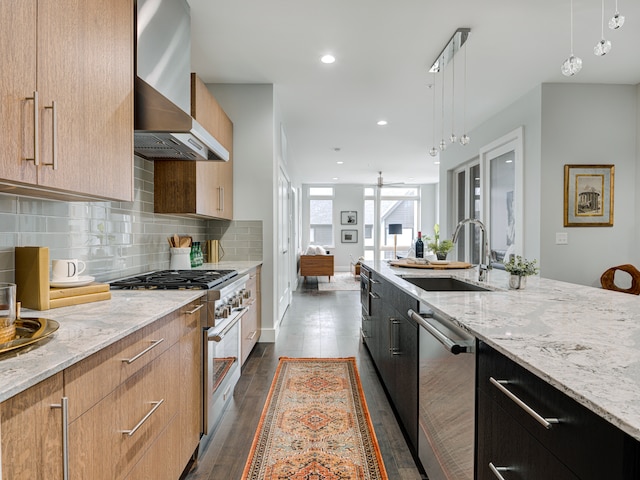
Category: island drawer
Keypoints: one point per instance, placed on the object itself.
(589, 445)
(91, 379)
(503, 444)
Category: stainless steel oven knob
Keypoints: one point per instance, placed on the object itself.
(246, 293)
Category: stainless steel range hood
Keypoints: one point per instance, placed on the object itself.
(163, 128)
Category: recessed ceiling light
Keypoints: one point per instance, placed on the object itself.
(508, 161)
(340, 162)
(382, 122)
(437, 162)
(328, 59)
(335, 178)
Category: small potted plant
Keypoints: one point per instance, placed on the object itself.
(440, 247)
(519, 269)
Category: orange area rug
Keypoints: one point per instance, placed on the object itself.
(315, 425)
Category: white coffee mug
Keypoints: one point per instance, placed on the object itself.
(67, 270)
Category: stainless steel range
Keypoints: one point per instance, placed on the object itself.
(224, 306)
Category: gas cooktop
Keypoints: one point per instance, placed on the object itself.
(175, 279)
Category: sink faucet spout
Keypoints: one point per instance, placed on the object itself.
(485, 253)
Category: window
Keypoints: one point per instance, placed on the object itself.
(467, 195)
(385, 206)
(321, 216)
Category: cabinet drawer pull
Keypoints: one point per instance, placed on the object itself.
(374, 296)
(374, 282)
(253, 335)
(191, 312)
(156, 405)
(36, 135)
(496, 471)
(54, 136)
(64, 406)
(154, 344)
(545, 422)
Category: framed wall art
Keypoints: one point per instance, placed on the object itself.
(349, 236)
(349, 218)
(588, 195)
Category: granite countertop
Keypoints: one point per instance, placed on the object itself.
(88, 328)
(584, 341)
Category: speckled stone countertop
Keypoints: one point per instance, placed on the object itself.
(584, 341)
(88, 328)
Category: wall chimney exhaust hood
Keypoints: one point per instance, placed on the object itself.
(163, 128)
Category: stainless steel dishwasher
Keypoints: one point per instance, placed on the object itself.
(446, 397)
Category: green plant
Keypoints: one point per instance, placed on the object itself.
(436, 245)
(521, 266)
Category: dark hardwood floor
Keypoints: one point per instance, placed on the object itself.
(317, 324)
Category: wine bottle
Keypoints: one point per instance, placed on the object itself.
(419, 246)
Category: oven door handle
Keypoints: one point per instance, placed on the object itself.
(218, 336)
(450, 344)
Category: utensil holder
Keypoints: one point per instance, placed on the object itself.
(180, 259)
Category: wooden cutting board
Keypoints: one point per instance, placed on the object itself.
(432, 266)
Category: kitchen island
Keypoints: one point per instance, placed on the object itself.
(584, 341)
(553, 369)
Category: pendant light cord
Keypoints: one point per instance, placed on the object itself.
(453, 89)
(571, 25)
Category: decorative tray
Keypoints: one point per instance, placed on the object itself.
(28, 331)
(435, 265)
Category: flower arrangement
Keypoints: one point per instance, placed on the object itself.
(521, 266)
(437, 246)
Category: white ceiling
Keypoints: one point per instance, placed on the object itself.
(383, 51)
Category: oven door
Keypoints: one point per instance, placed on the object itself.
(221, 368)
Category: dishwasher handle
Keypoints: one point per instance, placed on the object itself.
(451, 345)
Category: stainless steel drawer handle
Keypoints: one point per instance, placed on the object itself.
(375, 282)
(496, 471)
(373, 295)
(54, 136)
(253, 335)
(545, 422)
(64, 406)
(154, 344)
(191, 312)
(156, 405)
(36, 135)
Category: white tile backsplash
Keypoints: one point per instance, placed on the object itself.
(116, 239)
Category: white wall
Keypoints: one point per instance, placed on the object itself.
(251, 109)
(591, 124)
(564, 124)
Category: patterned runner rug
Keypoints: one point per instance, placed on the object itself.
(315, 425)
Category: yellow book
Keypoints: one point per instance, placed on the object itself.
(78, 299)
(75, 291)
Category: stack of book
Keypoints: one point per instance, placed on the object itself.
(34, 291)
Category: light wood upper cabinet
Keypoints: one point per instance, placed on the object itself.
(78, 57)
(32, 432)
(203, 189)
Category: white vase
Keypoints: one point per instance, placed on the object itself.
(517, 282)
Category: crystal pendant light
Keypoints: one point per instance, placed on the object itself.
(464, 139)
(573, 64)
(603, 46)
(453, 138)
(434, 151)
(617, 20)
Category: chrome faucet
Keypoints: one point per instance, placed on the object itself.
(485, 254)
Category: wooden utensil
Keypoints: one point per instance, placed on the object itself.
(185, 242)
(176, 240)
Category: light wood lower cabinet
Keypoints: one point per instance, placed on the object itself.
(31, 432)
(134, 409)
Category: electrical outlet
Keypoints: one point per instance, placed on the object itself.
(562, 238)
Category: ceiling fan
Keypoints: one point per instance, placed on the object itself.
(382, 184)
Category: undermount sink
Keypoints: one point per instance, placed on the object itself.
(444, 284)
